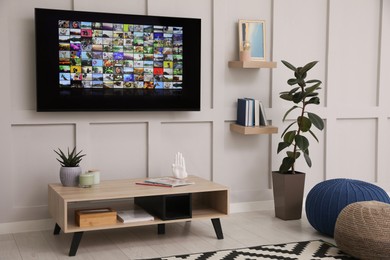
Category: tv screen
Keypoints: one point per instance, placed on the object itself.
(90, 61)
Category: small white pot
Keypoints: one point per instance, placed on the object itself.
(69, 176)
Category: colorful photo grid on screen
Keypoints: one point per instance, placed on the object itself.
(110, 55)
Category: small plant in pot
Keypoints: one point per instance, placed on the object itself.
(302, 94)
(70, 168)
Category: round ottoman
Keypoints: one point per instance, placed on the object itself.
(363, 230)
(325, 200)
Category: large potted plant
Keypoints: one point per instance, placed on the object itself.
(70, 169)
(288, 184)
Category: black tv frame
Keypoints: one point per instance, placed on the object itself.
(51, 97)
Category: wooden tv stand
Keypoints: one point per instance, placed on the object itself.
(208, 200)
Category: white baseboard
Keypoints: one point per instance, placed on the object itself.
(26, 226)
(47, 224)
(251, 206)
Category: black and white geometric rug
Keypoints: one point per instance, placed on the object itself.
(307, 250)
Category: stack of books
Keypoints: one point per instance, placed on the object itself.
(250, 112)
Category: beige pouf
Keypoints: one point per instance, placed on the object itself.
(363, 230)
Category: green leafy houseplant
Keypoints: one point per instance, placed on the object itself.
(71, 159)
(303, 93)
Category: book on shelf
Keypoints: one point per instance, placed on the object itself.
(263, 118)
(133, 215)
(257, 112)
(242, 113)
(250, 112)
(166, 182)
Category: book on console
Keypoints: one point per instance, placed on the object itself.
(166, 182)
(133, 215)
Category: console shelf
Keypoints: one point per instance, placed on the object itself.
(252, 64)
(253, 130)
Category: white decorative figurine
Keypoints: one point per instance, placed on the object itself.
(179, 167)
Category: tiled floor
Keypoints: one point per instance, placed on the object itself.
(240, 230)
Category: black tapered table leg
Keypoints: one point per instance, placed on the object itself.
(75, 243)
(57, 229)
(217, 227)
(161, 229)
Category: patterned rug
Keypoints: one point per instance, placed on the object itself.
(307, 250)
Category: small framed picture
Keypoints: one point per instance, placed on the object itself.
(252, 37)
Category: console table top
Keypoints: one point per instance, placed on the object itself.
(127, 188)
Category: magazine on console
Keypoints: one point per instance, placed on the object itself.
(167, 182)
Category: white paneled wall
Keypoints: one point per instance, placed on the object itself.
(119, 150)
(30, 157)
(193, 140)
(349, 38)
(353, 53)
(361, 159)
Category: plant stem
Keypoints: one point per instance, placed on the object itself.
(299, 128)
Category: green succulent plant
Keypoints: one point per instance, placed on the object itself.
(71, 159)
(302, 95)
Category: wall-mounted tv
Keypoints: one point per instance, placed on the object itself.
(91, 61)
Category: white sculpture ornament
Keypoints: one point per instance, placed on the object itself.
(179, 167)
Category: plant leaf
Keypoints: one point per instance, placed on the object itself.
(300, 74)
(302, 142)
(287, 163)
(292, 81)
(288, 127)
(307, 158)
(282, 145)
(304, 123)
(289, 136)
(313, 94)
(312, 88)
(286, 96)
(291, 154)
(288, 111)
(316, 120)
(297, 97)
(308, 66)
(71, 155)
(313, 100)
(292, 91)
(315, 137)
(288, 65)
(313, 81)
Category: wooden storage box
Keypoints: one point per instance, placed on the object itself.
(95, 217)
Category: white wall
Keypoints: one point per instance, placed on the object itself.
(352, 50)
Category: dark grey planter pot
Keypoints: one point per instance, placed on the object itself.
(69, 176)
(288, 194)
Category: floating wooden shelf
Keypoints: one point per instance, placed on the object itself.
(253, 130)
(252, 64)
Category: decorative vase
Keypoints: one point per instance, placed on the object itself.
(245, 54)
(69, 176)
(288, 194)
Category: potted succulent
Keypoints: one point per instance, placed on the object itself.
(70, 169)
(288, 184)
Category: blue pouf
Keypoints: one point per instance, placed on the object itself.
(326, 200)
